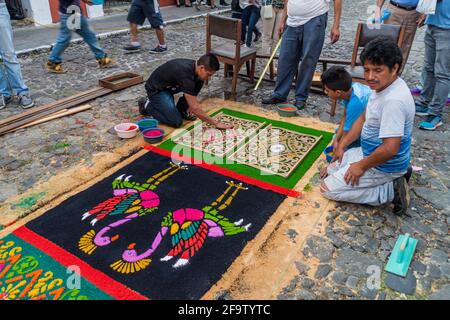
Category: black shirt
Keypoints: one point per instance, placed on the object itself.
(64, 4)
(177, 75)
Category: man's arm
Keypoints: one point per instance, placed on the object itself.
(388, 149)
(353, 134)
(195, 108)
(380, 3)
(283, 19)
(335, 32)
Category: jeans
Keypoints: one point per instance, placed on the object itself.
(10, 75)
(436, 70)
(162, 107)
(303, 42)
(63, 40)
(250, 16)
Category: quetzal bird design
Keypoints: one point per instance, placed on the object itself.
(189, 229)
(131, 198)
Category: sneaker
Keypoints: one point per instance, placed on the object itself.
(223, 3)
(55, 67)
(132, 46)
(25, 101)
(408, 174)
(401, 196)
(105, 62)
(431, 123)
(143, 104)
(273, 100)
(4, 101)
(421, 110)
(159, 49)
(300, 104)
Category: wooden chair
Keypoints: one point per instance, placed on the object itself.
(231, 54)
(364, 34)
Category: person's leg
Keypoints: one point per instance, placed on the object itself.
(290, 54)
(374, 188)
(245, 21)
(162, 107)
(441, 72)
(153, 14)
(63, 40)
(313, 40)
(428, 75)
(135, 17)
(90, 38)
(254, 17)
(10, 75)
(409, 20)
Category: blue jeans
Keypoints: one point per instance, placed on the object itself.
(63, 40)
(162, 107)
(10, 75)
(436, 70)
(303, 42)
(250, 16)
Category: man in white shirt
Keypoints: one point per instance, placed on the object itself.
(303, 26)
(379, 170)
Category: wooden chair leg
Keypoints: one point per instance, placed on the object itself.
(252, 71)
(234, 82)
(272, 70)
(247, 65)
(225, 70)
(333, 107)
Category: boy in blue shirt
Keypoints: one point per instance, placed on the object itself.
(338, 84)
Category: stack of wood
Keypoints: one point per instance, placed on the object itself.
(68, 106)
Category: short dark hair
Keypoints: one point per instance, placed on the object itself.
(337, 78)
(209, 61)
(382, 51)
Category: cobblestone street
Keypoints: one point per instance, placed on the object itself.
(355, 237)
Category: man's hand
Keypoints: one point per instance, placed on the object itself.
(421, 20)
(281, 28)
(324, 172)
(338, 154)
(335, 34)
(354, 172)
(223, 126)
(335, 144)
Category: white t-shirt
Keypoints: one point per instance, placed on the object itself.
(301, 11)
(389, 114)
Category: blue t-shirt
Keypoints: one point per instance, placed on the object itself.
(390, 114)
(356, 105)
(441, 18)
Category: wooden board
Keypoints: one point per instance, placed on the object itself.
(121, 81)
(257, 151)
(206, 138)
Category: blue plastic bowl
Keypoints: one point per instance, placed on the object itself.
(96, 2)
(328, 153)
(147, 123)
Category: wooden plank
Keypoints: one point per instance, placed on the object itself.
(44, 113)
(57, 115)
(37, 110)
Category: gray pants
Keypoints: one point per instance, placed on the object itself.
(436, 70)
(375, 187)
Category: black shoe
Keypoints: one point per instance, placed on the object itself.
(143, 104)
(223, 3)
(408, 174)
(186, 116)
(401, 196)
(300, 104)
(273, 100)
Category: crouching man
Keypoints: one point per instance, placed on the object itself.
(175, 76)
(378, 171)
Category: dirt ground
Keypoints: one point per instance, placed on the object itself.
(266, 263)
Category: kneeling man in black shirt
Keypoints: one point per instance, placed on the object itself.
(174, 76)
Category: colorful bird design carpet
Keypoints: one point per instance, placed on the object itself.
(155, 229)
